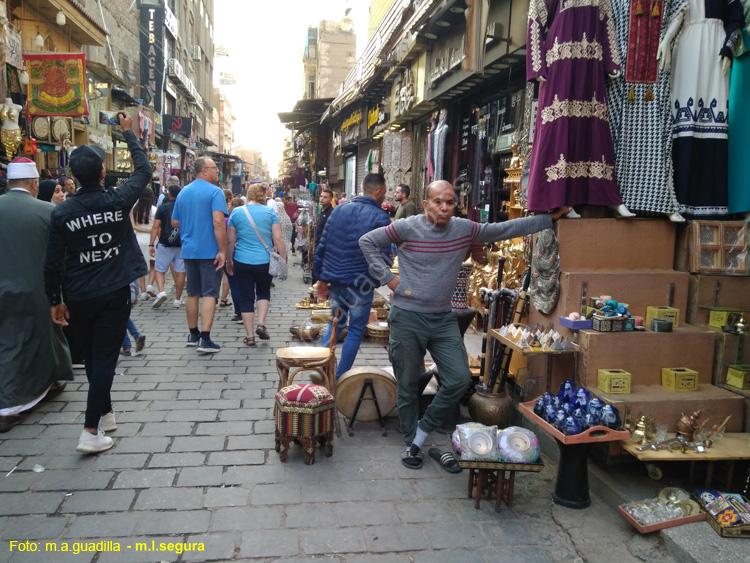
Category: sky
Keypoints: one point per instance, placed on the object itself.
(265, 40)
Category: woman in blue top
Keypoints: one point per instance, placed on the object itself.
(248, 257)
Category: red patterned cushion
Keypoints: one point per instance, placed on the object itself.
(305, 395)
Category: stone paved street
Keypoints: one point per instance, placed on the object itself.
(194, 462)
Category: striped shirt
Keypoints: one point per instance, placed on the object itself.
(429, 256)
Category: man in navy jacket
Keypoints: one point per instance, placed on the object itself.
(341, 268)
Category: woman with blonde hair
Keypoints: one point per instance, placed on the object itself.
(252, 231)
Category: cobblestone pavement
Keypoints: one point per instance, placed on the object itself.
(194, 462)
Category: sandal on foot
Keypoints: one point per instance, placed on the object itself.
(262, 332)
(412, 458)
(224, 303)
(446, 460)
(248, 341)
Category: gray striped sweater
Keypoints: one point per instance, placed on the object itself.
(429, 257)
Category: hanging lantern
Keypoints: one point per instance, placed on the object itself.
(60, 18)
(38, 40)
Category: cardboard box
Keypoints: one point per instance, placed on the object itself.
(613, 380)
(706, 292)
(643, 354)
(738, 376)
(666, 407)
(679, 379)
(614, 245)
(721, 317)
(662, 312)
(638, 289)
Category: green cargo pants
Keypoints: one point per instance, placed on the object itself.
(412, 334)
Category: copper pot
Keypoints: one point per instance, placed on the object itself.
(491, 409)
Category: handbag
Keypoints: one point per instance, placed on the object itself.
(277, 266)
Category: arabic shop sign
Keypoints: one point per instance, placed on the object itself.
(376, 116)
(354, 119)
(446, 58)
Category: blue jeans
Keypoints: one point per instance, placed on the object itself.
(133, 330)
(355, 306)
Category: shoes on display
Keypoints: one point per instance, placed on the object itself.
(160, 299)
(140, 343)
(208, 346)
(676, 218)
(192, 340)
(90, 443)
(107, 422)
(572, 214)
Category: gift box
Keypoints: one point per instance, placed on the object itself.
(719, 318)
(670, 313)
(679, 379)
(613, 380)
(580, 324)
(738, 376)
(608, 324)
(728, 513)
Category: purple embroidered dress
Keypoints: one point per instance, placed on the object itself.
(572, 47)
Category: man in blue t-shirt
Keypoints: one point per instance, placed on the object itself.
(199, 212)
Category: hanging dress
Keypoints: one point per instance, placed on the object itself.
(572, 47)
(640, 106)
(739, 125)
(700, 106)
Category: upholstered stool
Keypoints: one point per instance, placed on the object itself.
(304, 413)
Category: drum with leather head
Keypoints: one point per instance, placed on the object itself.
(349, 387)
(378, 331)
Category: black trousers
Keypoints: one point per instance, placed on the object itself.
(100, 326)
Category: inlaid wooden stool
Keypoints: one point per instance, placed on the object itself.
(304, 413)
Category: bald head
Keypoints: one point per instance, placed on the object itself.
(436, 186)
(440, 202)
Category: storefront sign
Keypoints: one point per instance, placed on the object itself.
(178, 124)
(403, 93)
(447, 57)
(152, 56)
(170, 21)
(354, 119)
(13, 49)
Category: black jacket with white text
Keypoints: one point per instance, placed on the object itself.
(92, 249)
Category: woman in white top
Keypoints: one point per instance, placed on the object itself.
(142, 218)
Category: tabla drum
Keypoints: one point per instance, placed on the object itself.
(378, 331)
(349, 387)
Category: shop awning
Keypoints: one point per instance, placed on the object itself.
(104, 72)
(119, 95)
(305, 113)
(222, 155)
(83, 27)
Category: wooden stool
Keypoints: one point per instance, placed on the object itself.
(489, 477)
(304, 413)
(296, 359)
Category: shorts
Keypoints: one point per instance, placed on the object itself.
(252, 282)
(202, 279)
(169, 256)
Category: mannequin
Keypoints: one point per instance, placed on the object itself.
(639, 106)
(10, 133)
(739, 124)
(572, 49)
(438, 147)
(700, 102)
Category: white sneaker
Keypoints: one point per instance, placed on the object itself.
(107, 422)
(151, 290)
(160, 299)
(94, 443)
(177, 303)
(144, 296)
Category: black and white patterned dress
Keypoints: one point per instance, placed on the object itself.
(640, 106)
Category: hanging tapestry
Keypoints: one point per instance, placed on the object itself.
(57, 84)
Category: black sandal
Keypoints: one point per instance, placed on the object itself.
(249, 341)
(224, 303)
(446, 460)
(412, 459)
(262, 332)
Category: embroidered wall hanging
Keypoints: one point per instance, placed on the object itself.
(57, 84)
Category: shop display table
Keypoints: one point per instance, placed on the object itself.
(536, 351)
(490, 477)
(731, 448)
(572, 486)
